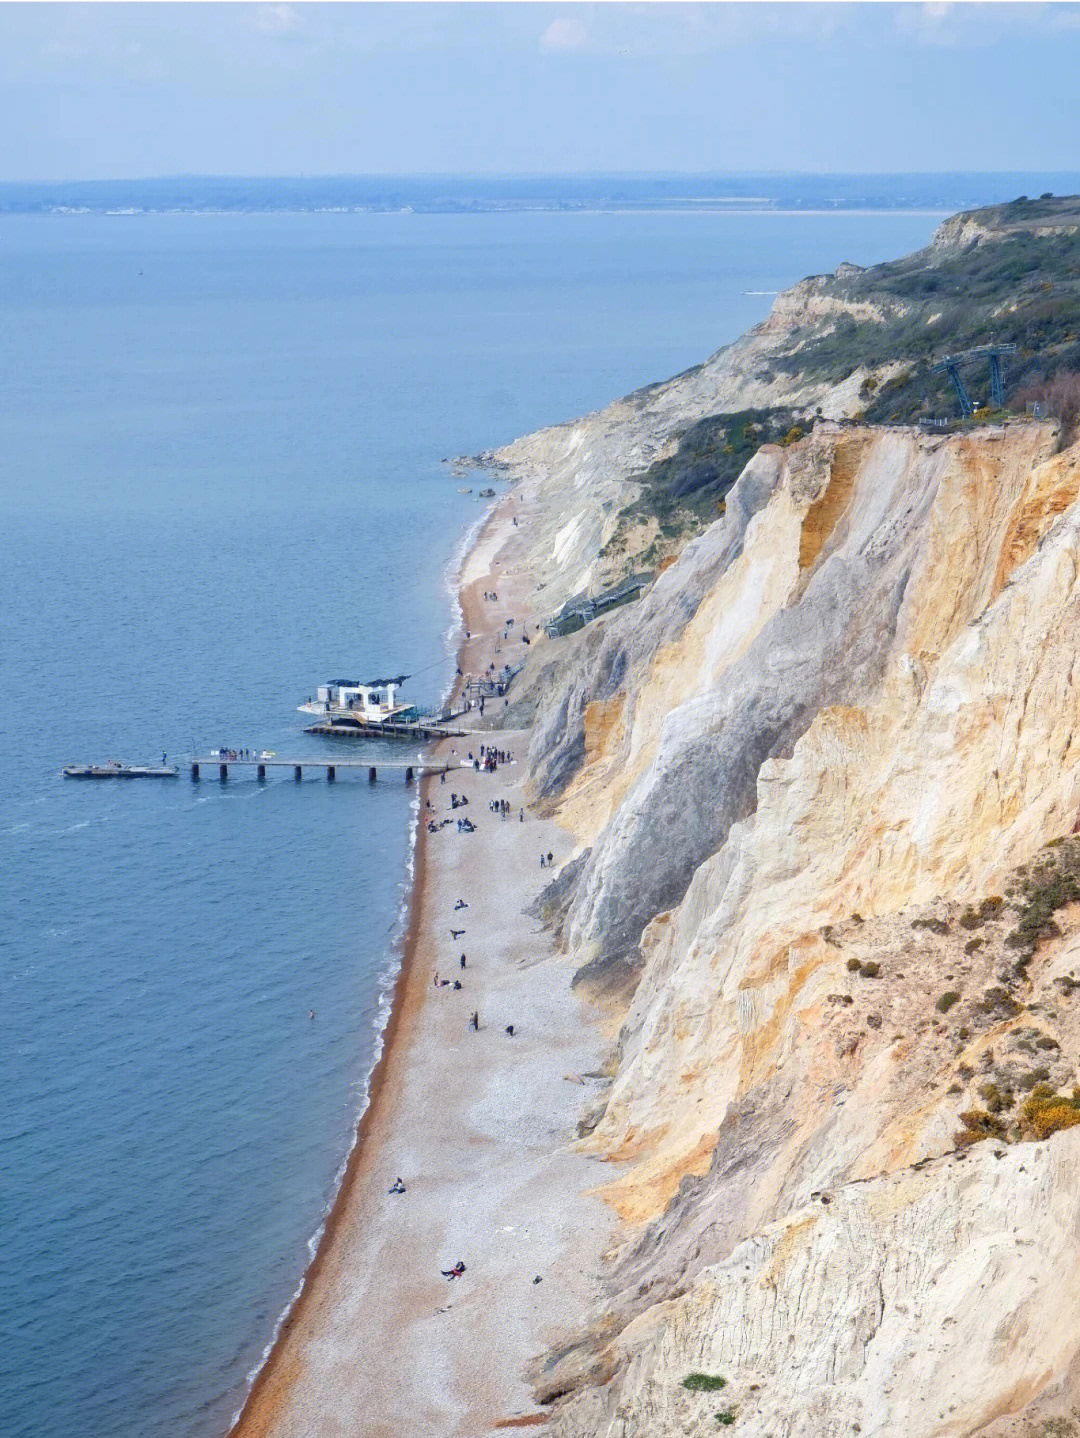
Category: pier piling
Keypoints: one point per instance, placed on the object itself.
(262, 771)
(223, 772)
(371, 775)
(408, 776)
(297, 773)
(195, 771)
(330, 775)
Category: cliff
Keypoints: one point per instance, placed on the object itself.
(823, 778)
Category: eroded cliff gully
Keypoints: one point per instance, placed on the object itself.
(815, 775)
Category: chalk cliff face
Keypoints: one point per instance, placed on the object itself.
(823, 777)
(853, 695)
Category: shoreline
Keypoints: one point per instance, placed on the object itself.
(350, 1229)
(293, 1313)
(351, 1174)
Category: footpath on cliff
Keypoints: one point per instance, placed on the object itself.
(478, 1124)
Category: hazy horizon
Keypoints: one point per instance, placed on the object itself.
(941, 192)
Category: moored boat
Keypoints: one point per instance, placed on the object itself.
(114, 769)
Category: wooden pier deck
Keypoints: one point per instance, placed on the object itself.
(409, 768)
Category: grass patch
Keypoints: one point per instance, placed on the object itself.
(704, 1382)
(947, 1000)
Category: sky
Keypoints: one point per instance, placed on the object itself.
(116, 91)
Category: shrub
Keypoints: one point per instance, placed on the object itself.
(1000, 1003)
(969, 919)
(994, 1098)
(704, 1382)
(936, 926)
(1050, 887)
(1047, 1112)
(945, 1003)
(854, 965)
(1034, 1080)
(1060, 395)
(978, 1124)
(726, 1418)
(973, 946)
(870, 970)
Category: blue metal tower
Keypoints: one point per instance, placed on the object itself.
(951, 364)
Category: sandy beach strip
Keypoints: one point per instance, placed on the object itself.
(480, 1126)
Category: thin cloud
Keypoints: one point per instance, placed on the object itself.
(276, 19)
(564, 33)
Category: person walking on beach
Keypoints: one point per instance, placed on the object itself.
(474, 1022)
(463, 961)
(541, 861)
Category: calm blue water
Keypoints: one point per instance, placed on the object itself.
(220, 446)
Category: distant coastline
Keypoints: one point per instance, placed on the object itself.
(711, 194)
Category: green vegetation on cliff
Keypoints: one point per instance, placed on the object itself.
(708, 460)
(1008, 274)
(1012, 287)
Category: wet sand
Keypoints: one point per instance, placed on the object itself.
(480, 1126)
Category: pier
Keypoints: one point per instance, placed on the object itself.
(409, 769)
(348, 728)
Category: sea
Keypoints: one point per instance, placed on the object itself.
(224, 480)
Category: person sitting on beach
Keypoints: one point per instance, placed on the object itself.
(435, 979)
(461, 904)
(510, 1030)
(455, 1272)
(397, 1186)
(456, 933)
(457, 983)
